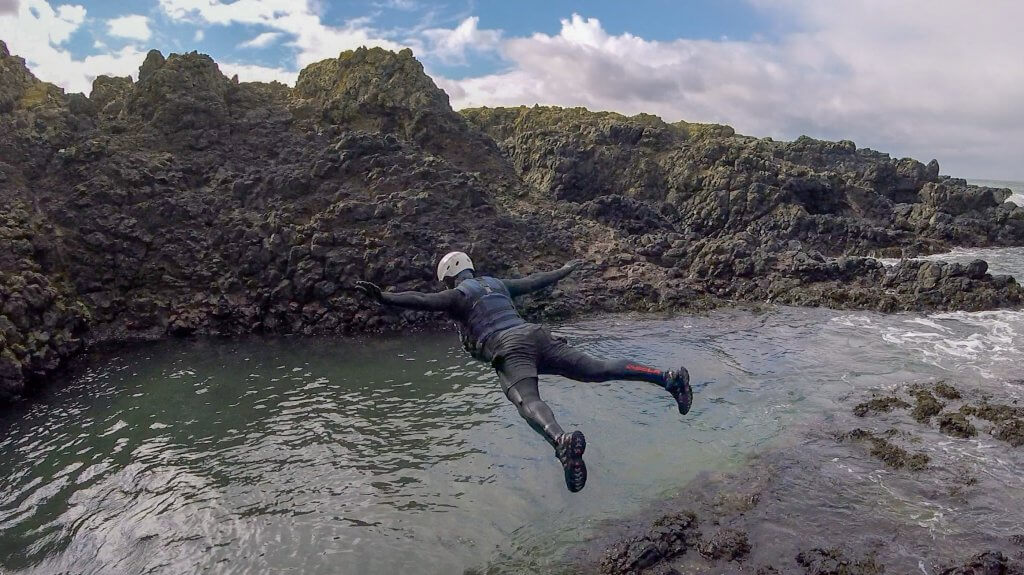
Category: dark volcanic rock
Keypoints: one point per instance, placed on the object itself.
(189, 203)
(987, 563)
(834, 562)
(669, 536)
(726, 544)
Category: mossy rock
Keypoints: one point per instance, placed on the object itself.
(927, 406)
(956, 425)
(946, 391)
(890, 454)
(879, 405)
(1011, 431)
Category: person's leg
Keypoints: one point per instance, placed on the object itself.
(558, 358)
(525, 395)
(569, 447)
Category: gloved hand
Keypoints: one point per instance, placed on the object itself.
(574, 264)
(370, 289)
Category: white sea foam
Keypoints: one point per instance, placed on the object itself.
(991, 342)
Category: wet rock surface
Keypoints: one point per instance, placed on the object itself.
(835, 562)
(957, 425)
(879, 405)
(988, 563)
(887, 452)
(926, 405)
(185, 202)
(961, 417)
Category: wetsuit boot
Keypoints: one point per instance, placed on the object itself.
(677, 382)
(569, 448)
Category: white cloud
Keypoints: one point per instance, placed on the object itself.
(133, 26)
(261, 41)
(199, 36)
(404, 5)
(37, 32)
(450, 45)
(887, 75)
(313, 40)
(252, 73)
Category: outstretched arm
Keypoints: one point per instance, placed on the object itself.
(539, 280)
(440, 301)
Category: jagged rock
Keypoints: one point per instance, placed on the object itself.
(892, 455)
(926, 407)
(669, 536)
(189, 203)
(108, 93)
(987, 563)
(879, 405)
(834, 562)
(956, 425)
(726, 544)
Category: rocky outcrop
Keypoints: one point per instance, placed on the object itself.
(186, 202)
(831, 196)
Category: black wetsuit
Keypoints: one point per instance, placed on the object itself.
(493, 331)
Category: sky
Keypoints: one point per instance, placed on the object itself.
(920, 78)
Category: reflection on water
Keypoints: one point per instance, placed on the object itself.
(401, 456)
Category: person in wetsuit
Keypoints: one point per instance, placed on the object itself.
(492, 330)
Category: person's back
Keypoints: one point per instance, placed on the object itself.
(490, 310)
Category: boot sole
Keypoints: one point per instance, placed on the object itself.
(686, 401)
(575, 467)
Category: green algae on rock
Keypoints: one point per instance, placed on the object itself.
(956, 425)
(926, 407)
(879, 405)
(1011, 431)
(887, 452)
(834, 561)
(946, 391)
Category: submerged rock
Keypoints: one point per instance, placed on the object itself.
(669, 536)
(727, 544)
(879, 405)
(946, 391)
(835, 562)
(1011, 431)
(926, 407)
(892, 455)
(987, 563)
(994, 412)
(956, 425)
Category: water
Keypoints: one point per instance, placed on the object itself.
(399, 455)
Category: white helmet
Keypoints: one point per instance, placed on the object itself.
(452, 264)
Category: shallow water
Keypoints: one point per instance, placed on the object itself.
(400, 455)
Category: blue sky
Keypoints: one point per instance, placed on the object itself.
(889, 75)
(402, 20)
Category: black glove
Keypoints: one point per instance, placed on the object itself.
(370, 289)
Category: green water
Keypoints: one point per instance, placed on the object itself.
(400, 455)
